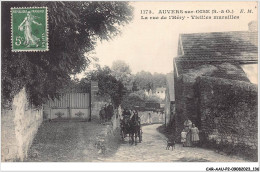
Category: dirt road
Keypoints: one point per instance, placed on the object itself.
(75, 142)
(68, 141)
(152, 149)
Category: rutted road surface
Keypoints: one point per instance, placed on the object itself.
(152, 149)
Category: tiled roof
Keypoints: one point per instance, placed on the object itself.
(238, 45)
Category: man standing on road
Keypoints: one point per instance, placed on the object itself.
(102, 115)
(106, 113)
(110, 111)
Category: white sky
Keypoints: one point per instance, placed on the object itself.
(151, 45)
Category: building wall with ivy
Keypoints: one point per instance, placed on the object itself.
(228, 112)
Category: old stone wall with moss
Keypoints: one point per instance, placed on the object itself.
(19, 124)
(187, 89)
(228, 113)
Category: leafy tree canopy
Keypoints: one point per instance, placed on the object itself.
(145, 80)
(138, 99)
(122, 72)
(159, 80)
(74, 28)
(108, 85)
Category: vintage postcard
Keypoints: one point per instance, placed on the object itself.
(129, 81)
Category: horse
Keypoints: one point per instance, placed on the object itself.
(131, 127)
(135, 131)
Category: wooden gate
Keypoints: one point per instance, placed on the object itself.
(69, 105)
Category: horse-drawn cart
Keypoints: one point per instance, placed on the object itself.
(131, 126)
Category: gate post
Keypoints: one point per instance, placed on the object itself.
(69, 115)
(93, 90)
(69, 105)
(90, 107)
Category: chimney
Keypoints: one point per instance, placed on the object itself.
(252, 26)
(252, 29)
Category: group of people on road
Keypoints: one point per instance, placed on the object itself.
(190, 134)
(106, 113)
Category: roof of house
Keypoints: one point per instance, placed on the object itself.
(239, 45)
(170, 85)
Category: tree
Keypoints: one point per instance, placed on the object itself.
(159, 80)
(108, 85)
(132, 100)
(135, 86)
(138, 99)
(74, 28)
(122, 72)
(144, 80)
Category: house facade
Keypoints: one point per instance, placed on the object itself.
(160, 92)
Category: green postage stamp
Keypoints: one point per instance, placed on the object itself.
(29, 29)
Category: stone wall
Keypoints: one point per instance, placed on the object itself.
(156, 117)
(186, 89)
(228, 112)
(186, 103)
(110, 137)
(19, 125)
(96, 107)
(97, 102)
(224, 110)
